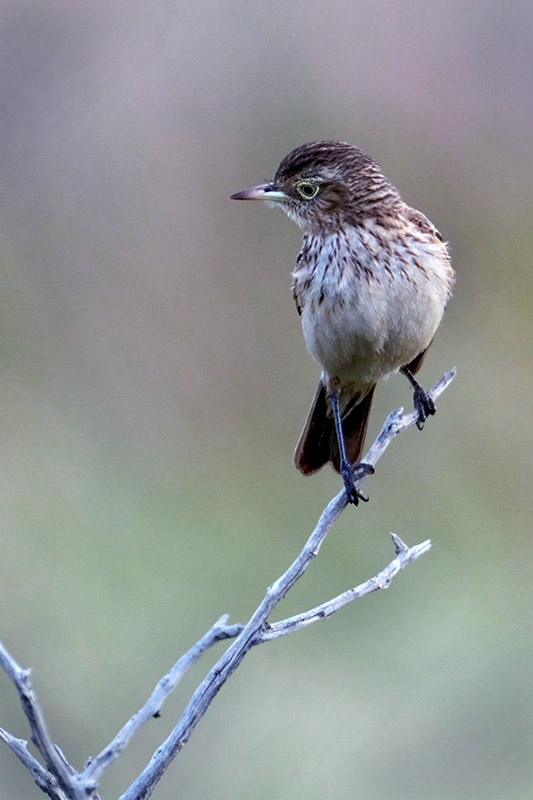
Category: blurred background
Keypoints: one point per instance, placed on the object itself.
(154, 382)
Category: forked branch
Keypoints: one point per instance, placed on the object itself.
(57, 778)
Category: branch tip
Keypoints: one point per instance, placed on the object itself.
(399, 545)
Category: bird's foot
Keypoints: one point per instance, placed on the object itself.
(351, 474)
(424, 406)
(421, 399)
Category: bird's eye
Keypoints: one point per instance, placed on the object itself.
(307, 190)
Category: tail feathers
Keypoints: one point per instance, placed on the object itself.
(312, 450)
(318, 442)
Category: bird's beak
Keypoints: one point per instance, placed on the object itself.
(266, 191)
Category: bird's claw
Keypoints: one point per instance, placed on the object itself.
(424, 405)
(351, 473)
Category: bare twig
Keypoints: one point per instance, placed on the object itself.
(83, 784)
(42, 778)
(396, 422)
(405, 555)
(95, 766)
(60, 778)
(62, 782)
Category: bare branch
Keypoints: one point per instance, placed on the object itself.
(405, 555)
(62, 782)
(396, 422)
(42, 778)
(83, 785)
(65, 776)
(96, 766)
(251, 634)
(258, 630)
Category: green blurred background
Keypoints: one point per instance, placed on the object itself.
(155, 380)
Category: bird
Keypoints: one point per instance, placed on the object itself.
(371, 283)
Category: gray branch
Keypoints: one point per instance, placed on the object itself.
(404, 556)
(61, 781)
(96, 766)
(42, 778)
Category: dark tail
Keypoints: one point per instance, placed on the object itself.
(318, 441)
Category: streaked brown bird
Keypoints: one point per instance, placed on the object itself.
(371, 284)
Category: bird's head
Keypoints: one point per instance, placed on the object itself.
(324, 186)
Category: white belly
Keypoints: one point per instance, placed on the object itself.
(360, 324)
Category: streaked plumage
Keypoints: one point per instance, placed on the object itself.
(371, 284)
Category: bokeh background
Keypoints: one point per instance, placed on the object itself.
(154, 381)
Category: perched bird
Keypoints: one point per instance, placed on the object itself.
(371, 284)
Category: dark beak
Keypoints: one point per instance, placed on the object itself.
(266, 191)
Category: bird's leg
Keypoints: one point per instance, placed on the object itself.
(421, 399)
(350, 472)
